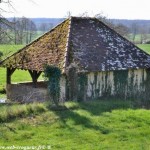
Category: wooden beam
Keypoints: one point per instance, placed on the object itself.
(34, 75)
(9, 74)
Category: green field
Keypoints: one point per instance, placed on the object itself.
(94, 125)
(9, 49)
(138, 37)
(145, 47)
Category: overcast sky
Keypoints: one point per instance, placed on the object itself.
(119, 9)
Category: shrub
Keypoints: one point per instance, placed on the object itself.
(147, 42)
(1, 54)
(2, 90)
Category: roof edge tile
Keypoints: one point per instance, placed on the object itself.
(67, 45)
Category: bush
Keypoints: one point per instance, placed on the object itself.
(1, 54)
(147, 42)
(2, 90)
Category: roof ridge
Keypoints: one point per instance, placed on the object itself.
(67, 45)
(83, 17)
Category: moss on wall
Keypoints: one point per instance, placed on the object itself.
(146, 98)
(123, 84)
(82, 87)
(120, 83)
(72, 84)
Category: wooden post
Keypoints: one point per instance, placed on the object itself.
(9, 73)
(34, 75)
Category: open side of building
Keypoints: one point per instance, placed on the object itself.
(95, 62)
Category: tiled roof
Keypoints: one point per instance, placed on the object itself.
(97, 47)
(86, 42)
(48, 49)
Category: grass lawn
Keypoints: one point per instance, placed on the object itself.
(87, 125)
(145, 47)
(9, 49)
(96, 125)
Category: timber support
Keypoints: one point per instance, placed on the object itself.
(34, 75)
(9, 74)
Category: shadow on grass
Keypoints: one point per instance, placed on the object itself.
(77, 119)
(95, 108)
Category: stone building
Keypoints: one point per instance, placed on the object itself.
(94, 59)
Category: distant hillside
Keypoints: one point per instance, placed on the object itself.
(55, 21)
(39, 21)
(128, 23)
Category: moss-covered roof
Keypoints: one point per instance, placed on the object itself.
(48, 49)
(86, 42)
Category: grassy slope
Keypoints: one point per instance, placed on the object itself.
(90, 125)
(9, 49)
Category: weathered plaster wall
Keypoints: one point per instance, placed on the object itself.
(62, 88)
(122, 84)
(100, 84)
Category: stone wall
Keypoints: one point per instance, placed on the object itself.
(25, 92)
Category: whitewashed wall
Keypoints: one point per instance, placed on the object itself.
(62, 89)
(103, 83)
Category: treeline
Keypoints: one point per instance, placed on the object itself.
(24, 30)
(138, 30)
(143, 30)
(20, 30)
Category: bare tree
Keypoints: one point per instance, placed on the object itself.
(134, 31)
(5, 27)
(24, 30)
(143, 34)
(45, 27)
(5, 24)
(122, 29)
